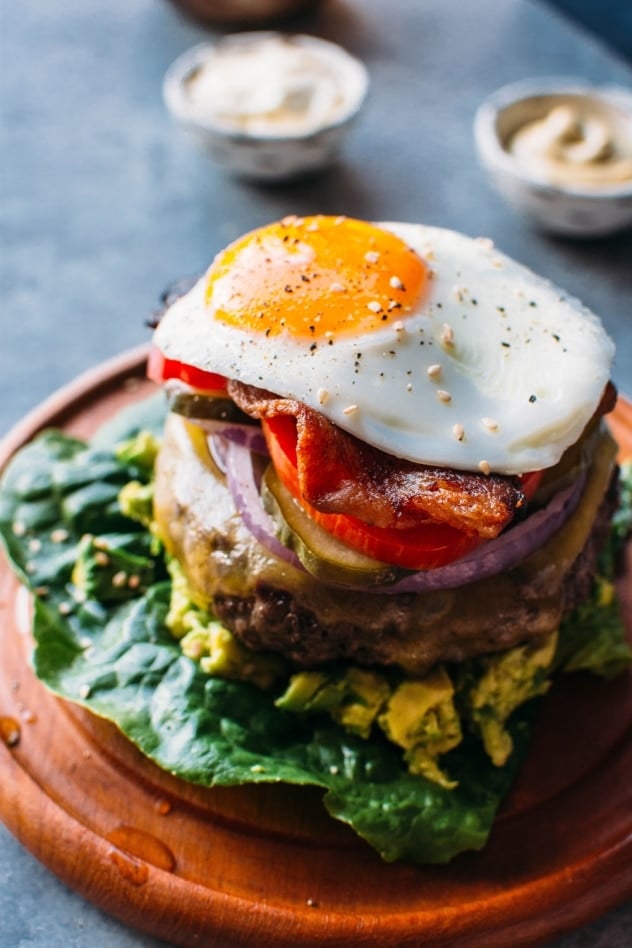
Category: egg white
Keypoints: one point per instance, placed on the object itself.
(521, 366)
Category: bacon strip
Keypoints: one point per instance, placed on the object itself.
(340, 474)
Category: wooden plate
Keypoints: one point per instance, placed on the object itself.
(265, 866)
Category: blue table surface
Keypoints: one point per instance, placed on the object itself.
(103, 202)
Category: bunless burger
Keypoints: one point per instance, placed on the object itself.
(384, 465)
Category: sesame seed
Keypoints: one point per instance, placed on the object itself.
(458, 431)
(399, 326)
(322, 395)
(409, 387)
(119, 579)
(79, 595)
(447, 335)
(484, 467)
(434, 371)
(443, 396)
(41, 591)
(35, 545)
(333, 769)
(133, 582)
(350, 410)
(64, 608)
(396, 283)
(485, 243)
(18, 528)
(101, 558)
(490, 423)
(337, 288)
(257, 769)
(374, 306)
(372, 256)
(312, 226)
(84, 691)
(458, 292)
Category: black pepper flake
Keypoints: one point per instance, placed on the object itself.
(532, 399)
(313, 347)
(439, 305)
(474, 302)
(312, 329)
(506, 345)
(532, 303)
(556, 337)
(288, 288)
(304, 278)
(384, 317)
(267, 332)
(501, 309)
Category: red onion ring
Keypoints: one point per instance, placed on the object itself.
(242, 483)
(500, 554)
(247, 436)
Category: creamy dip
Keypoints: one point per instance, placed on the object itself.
(577, 143)
(273, 85)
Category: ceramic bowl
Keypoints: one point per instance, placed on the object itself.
(267, 155)
(574, 209)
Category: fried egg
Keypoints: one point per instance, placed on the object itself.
(425, 343)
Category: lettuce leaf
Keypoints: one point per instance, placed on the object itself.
(120, 661)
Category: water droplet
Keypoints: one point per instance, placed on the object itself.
(143, 845)
(9, 731)
(133, 870)
(163, 807)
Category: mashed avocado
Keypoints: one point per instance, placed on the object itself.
(493, 687)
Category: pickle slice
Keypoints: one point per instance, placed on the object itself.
(322, 555)
(206, 407)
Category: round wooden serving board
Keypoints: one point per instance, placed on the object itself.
(265, 866)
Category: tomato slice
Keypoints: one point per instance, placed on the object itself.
(425, 546)
(160, 369)
(530, 482)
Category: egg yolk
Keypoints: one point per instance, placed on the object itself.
(315, 277)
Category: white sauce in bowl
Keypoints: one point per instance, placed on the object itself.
(271, 84)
